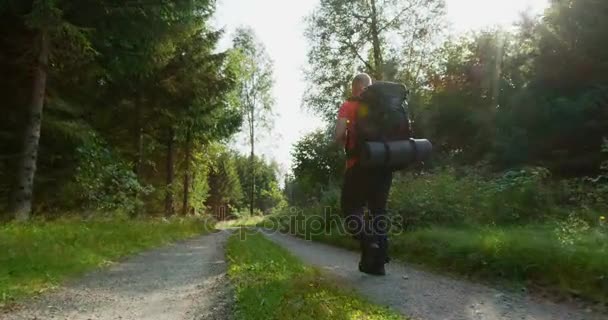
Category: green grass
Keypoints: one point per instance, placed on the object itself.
(532, 256)
(242, 222)
(273, 284)
(38, 256)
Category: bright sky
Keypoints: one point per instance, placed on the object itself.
(283, 36)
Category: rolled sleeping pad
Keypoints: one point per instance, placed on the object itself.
(374, 154)
(400, 153)
(424, 148)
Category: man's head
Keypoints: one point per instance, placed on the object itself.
(360, 82)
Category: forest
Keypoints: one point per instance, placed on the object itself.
(114, 106)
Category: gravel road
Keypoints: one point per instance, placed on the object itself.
(426, 296)
(183, 281)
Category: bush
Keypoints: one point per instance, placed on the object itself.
(519, 196)
(272, 199)
(474, 197)
(435, 199)
(103, 181)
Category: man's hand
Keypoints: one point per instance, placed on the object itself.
(340, 134)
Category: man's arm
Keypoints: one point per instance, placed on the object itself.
(340, 134)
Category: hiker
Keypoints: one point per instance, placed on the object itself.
(374, 127)
(362, 186)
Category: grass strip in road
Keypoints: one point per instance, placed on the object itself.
(273, 284)
(241, 222)
(38, 256)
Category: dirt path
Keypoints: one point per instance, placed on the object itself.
(426, 296)
(182, 281)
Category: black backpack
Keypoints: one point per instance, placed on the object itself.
(382, 115)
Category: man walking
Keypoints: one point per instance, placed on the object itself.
(363, 186)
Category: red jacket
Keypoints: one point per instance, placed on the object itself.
(348, 111)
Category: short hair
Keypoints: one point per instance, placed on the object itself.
(363, 79)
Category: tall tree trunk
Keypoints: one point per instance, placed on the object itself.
(139, 142)
(192, 190)
(186, 200)
(252, 163)
(170, 173)
(376, 43)
(252, 191)
(21, 205)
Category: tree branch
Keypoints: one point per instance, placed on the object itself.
(380, 29)
(361, 17)
(352, 47)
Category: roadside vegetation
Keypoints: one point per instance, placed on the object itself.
(517, 228)
(516, 189)
(115, 121)
(40, 255)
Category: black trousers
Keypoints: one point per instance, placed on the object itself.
(369, 188)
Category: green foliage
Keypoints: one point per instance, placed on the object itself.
(448, 197)
(493, 95)
(317, 162)
(273, 284)
(572, 230)
(40, 255)
(201, 187)
(128, 72)
(273, 198)
(518, 124)
(520, 196)
(468, 196)
(351, 36)
(255, 83)
(567, 258)
(532, 254)
(442, 199)
(225, 187)
(266, 193)
(103, 181)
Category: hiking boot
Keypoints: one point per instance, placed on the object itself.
(378, 271)
(372, 262)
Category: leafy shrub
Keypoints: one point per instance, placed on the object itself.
(571, 230)
(330, 197)
(103, 181)
(441, 198)
(272, 198)
(588, 194)
(472, 196)
(519, 196)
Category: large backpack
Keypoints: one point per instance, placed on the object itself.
(382, 117)
(383, 113)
